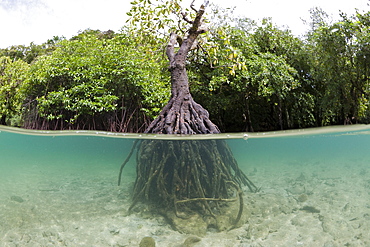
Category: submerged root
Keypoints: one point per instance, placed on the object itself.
(238, 197)
(189, 177)
(126, 161)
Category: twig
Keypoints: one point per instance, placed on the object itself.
(241, 204)
(192, 6)
(185, 18)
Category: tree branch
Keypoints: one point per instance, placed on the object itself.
(170, 51)
(192, 6)
(189, 42)
(185, 18)
(197, 23)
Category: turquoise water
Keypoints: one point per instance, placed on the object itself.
(329, 146)
(60, 189)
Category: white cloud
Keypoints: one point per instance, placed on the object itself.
(25, 21)
(39, 21)
(290, 13)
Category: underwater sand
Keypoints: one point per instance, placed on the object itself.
(62, 191)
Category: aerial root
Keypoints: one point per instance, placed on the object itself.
(126, 161)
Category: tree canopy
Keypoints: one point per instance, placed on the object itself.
(249, 76)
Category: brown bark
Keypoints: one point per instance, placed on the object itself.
(182, 115)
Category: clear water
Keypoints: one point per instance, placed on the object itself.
(60, 189)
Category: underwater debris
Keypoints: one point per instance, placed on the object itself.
(190, 241)
(147, 242)
(310, 209)
(302, 197)
(17, 199)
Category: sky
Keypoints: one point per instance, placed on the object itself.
(26, 21)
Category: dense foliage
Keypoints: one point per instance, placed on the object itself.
(96, 80)
(250, 77)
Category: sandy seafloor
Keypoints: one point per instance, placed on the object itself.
(318, 199)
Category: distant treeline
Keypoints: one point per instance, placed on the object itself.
(250, 77)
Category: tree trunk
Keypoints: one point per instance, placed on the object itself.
(280, 113)
(182, 115)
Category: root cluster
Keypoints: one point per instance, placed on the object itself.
(188, 176)
(182, 115)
